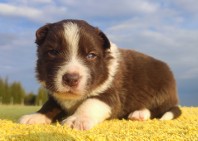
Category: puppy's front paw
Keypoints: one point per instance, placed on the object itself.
(79, 122)
(35, 118)
(140, 115)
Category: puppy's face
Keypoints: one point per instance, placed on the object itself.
(72, 57)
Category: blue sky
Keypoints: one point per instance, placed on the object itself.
(167, 30)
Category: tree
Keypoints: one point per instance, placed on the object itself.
(17, 93)
(30, 99)
(14, 93)
(42, 96)
(4, 91)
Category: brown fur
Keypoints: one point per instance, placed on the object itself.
(140, 82)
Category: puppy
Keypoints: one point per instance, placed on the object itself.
(91, 80)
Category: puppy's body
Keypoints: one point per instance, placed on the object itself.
(91, 80)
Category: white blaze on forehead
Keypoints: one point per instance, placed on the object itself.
(74, 64)
(71, 32)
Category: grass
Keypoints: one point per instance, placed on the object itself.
(185, 128)
(14, 112)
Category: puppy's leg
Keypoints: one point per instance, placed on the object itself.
(173, 113)
(49, 111)
(89, 113)
(141, 115)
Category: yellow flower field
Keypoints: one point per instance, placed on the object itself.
(185, 128)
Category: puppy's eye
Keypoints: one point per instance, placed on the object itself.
(91, 56)
(53, 53)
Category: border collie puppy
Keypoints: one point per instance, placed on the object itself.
(91, 80)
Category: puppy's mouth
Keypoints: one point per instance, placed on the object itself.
(69, 92)
(67, 95)
(72, 91)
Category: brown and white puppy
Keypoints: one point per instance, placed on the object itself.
(91, 80)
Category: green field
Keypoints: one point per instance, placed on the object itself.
(14, 112)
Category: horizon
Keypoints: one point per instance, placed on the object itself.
(166, 30)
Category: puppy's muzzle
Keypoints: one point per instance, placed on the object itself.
(71, 79)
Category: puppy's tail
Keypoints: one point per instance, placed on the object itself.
(173, 113)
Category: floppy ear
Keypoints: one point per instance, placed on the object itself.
(106, 42)
(41, 34)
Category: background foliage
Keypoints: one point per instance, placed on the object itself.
(14, 93)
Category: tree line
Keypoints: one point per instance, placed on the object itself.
(14, 93)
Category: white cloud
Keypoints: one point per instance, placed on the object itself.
(188, 5)
(29, 3)
(109, 8)
(46, 12)
(164, 29)
(190, 73)
(49, 10)
(11, 10)
(169, 42)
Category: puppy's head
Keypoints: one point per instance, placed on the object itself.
(73, 57)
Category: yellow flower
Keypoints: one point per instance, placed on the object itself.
(183, 128)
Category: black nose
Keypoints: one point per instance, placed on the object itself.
(71, 79)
